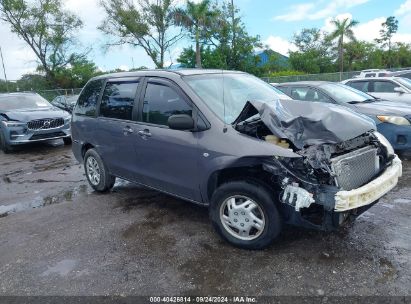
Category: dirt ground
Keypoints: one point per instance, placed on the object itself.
(58, 237)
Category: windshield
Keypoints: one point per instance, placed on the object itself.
(345, 94)
(405, 82)
(19, 102)
(232, 90)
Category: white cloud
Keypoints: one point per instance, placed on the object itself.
(18, 57)
(318, 10)
(124, 67)
(367, 31)
(296, 12)
(404, 8)
(280, 45)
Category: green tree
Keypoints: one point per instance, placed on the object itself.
(47, 29)
(210, 59)
(143, 23)
(314, 54)
(77, 73)
(342, 29)
(231, 39)
(197, 20)
(389, 28)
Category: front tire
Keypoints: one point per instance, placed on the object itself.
(3, 145)
(96, 172)
(245, 215)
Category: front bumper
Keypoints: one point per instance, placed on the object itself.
(398, 136)
(21, 136)
(371, 192)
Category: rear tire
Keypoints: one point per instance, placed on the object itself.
(244, 214)
(67, 141)
(3, 145)
(96, 172)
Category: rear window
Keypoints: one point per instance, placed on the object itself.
(87, 101)
(19, 102)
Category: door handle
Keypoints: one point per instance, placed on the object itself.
(127, 131)
(144, 133)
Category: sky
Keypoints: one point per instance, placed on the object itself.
(274, 21)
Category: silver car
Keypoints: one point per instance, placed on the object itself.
(28, 117)
(388, 88)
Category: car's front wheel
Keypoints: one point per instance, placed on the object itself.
(3, 145)
(244, 214)
(96, 172)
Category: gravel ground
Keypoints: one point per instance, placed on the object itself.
(58, 237)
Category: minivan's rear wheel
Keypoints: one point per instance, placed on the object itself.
(244, 214)
(97, 173)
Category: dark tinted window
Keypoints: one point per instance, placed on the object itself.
(118, 100)
(384, 87)
(88, 98)
(161, 102)
(370, 75)
(359, 85)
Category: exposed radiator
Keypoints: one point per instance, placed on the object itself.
(354, 169)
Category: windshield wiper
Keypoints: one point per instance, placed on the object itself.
(354, 102)
(370, 100)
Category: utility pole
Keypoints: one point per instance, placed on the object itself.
(4, 70)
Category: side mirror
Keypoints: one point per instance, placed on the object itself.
(182, 122)
(400, 90)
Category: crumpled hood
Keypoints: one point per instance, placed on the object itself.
(308, 123)
(384, 108)
(27, 115)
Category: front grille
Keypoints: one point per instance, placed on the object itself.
(355, 169)
(44, 124)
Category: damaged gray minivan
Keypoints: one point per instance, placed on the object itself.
(229, 141)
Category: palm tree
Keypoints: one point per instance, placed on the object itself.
(342, 29)
(197, 19)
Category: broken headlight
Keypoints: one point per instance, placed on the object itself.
(381, 138)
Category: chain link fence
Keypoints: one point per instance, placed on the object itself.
(334, 77)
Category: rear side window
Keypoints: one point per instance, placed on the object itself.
(408, 75)
(359, 85)
(384, 87)
(87, 101)
(308, 94)
(161, 102)
(118, 100)
(370, 75)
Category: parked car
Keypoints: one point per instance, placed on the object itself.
(393, 119)
(403, 74)
(27, 118)
(225, 140)
(65, 102)
(388, 88)
(372, 73)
